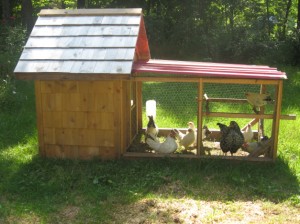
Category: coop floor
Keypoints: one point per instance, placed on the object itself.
(210, 148)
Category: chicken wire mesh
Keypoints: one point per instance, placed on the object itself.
(177, 103)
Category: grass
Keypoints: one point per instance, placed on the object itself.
(38, 190)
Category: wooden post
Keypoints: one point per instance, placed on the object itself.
(276, 119)
(261, 121)
(39, 115)
(139, 105)
(200, 150)
(118, 110)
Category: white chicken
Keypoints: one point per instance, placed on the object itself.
(168, 146)
(187, 139)
(179, 134)
(192, 126)
(248, 133)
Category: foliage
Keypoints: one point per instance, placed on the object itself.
(12, 40)
(223, 30)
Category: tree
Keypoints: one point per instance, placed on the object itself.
(298, 16)
(5, 10)
(27, 14)
(80, 4)
(287, 12)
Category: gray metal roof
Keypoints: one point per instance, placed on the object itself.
(102, 41)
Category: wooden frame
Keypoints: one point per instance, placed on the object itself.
(276, 116)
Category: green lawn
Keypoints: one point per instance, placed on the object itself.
(37, 190)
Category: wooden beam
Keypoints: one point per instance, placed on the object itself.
(276, 120)
(139, 103)
(240, 81)
(243, 115)
(118, 110)
(39, 116)
(288, 117)
(90, 12)
(261, 129)
(190, 156)
(238, 115)
(252, 123)
(71, 76)
(164, 79)
(172, 78)
(200, 150)
(226, 100)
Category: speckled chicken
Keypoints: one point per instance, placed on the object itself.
(205, 132)
(151, 128)
(258, 99)
(231, 137)
(254, 146)
(168, 146)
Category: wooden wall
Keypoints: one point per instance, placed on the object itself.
(81, 119)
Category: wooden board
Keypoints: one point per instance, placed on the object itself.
(80, 117)
(81, 12)
(81, 42)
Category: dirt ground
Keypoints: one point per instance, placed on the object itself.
(190, 211)
(210, 147)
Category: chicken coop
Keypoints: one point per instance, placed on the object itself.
(93, 75)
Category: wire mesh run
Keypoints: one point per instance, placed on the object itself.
(177, 104)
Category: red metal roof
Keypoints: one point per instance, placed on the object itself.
(207, 69)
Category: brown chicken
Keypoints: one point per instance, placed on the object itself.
(258, 100)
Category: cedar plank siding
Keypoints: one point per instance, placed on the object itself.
(82, 119)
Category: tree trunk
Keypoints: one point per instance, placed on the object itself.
(287, 12)
(80, 4)
(268, 18)
(27, 14)
(63, 4)
(298, 16)
(5, 11)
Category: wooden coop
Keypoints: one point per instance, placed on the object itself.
(91, 68)
(81, 61)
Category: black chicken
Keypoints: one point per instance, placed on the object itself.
(231, 137)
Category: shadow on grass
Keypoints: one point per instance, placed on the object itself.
(18, 120)
(47, 187)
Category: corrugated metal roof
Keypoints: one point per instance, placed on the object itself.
(207, 69)
(87, 41)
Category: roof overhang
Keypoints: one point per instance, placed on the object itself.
(206, 69)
